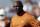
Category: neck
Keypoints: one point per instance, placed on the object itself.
(20, 13)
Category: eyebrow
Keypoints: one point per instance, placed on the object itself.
(15, 6)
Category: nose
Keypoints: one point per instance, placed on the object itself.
(15, 7)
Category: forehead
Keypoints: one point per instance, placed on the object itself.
(16, 4)
(36, 9)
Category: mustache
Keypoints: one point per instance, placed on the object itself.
(16, 9)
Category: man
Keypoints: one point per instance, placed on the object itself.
(4, 21)
(36, 12)
(22, 19)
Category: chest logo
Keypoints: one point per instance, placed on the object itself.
(22, 21)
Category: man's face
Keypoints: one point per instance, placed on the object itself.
(37, 12)
(17, 7)
(2, 14)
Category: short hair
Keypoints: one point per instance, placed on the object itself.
(19, 3)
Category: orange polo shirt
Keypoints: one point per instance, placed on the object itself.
(26, 20)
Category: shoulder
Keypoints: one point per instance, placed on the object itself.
(7, 20)
(29, 15)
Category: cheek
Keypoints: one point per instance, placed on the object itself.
(17, 7)
(13, 8)
(1, 16)
(37, 12)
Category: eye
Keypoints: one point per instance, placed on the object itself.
(1, 15)
(13, 6)
(17, 6)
